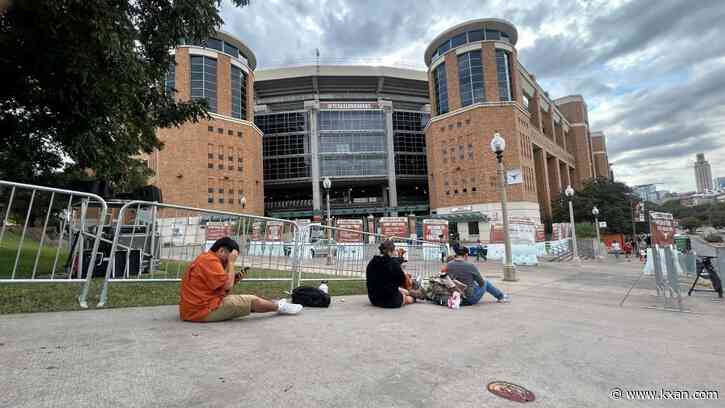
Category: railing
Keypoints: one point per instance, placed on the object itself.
(64, 249)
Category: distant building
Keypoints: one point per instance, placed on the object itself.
(720, 183)
(647, 192)
(599, 154)
(703, 174)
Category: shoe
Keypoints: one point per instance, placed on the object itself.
(505, 299)
(286, 308)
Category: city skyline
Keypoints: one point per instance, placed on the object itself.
(642, 98)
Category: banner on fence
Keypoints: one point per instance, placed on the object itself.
(540, 233)
(394, 226)
(257, 231)
(662, 228)
(216, 230)
(560, 230)
(349, 236)
(433, 229)
(521, 230)
(274, 230)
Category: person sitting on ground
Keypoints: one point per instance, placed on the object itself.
(385, 280)
(461, 270)
(206, 284)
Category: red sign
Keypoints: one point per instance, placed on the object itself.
(540, 233)
(349, 236)
(433, 229)
(274, 230)
(662, 227)
(394, 227)
(216, 230)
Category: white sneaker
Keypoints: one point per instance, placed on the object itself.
(505, 299)
(285, 308)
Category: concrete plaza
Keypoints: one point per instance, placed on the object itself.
(569, 335)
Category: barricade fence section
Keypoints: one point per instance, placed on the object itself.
(154, 242)
(49, 235)
(335, 253)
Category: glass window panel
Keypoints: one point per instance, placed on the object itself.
(503, 75)
(231, 50)
(475, 35)
(493, 35)
(214, 44)
(460, 39)
(441, 88)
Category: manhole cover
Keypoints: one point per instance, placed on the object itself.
(510, 391)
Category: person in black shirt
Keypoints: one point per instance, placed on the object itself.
(385, 279)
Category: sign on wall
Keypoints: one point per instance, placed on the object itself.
(513, 176)
(349, 105)
(394, 226)
(434, 228)
(349, 236)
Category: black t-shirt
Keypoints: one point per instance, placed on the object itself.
(384, 276)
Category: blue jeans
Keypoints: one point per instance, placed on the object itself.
(478, 293)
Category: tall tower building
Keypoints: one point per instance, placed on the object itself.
(478, 87)
(703, 174)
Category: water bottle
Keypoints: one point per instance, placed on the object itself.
(323, 287)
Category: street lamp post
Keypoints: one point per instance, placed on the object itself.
(595, 212)
(569, 194)
(498, 145)
(327, 184)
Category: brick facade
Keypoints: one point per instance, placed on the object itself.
(211, 163)
(549, 142)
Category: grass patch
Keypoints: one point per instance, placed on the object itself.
(54, 297)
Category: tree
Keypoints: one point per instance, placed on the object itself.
(691, 223)
(83, 82)
(613, 199)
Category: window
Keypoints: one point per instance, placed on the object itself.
(239, 93)
(230, 132)
(475, 35)
(170, 80)
(215, 44)
(503, 74)
(239, 134)
(460, 39)
(210, 165)
(470, 76)
(220, 131)
(231, 50)
(210, 128)
(203, 80)
(441, 88)
(493, 35)
(473, 228)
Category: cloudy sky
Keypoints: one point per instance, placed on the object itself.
(652, 72)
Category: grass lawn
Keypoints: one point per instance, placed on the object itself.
(51, 297)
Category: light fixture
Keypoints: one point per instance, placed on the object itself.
(595, 211)
(569, 191)
(498, 144)
(327, 183)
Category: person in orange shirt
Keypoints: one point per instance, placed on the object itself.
(206, 284)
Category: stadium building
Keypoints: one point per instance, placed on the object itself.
(361, 126)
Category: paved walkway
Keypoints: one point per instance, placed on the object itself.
(565, 337)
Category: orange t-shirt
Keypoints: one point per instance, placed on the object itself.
(202, 287)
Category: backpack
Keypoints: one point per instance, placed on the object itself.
(310, 297)
(442, 287)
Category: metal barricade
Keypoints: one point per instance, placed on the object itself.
(49, 235)
(154, 242)
(338, 254)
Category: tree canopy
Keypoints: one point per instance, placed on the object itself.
(613, 199)
(83, 82)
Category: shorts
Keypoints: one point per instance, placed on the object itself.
(232, 307)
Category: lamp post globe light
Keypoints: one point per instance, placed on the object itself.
(569, 192)
(595, 213)
(498, 145)
(327, 184)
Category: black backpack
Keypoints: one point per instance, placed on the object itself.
(310, 297)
